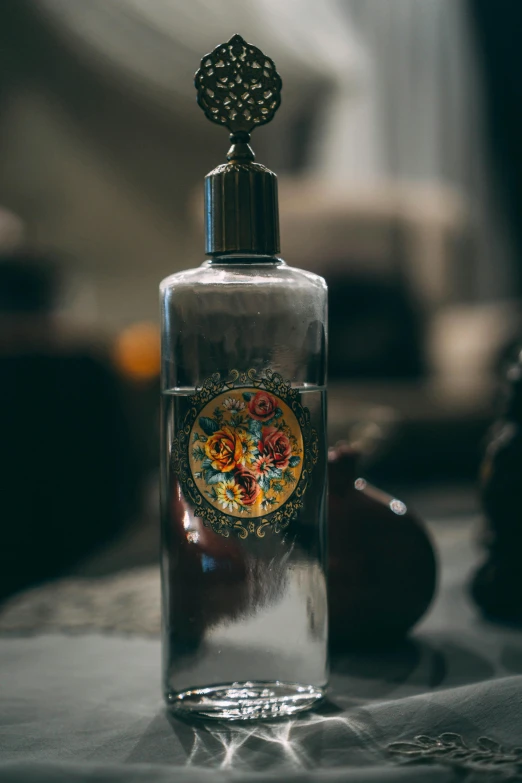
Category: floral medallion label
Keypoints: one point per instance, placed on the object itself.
(245, 453)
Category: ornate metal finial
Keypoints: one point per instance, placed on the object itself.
(238, 87)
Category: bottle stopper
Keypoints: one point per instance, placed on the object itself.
(238, 86)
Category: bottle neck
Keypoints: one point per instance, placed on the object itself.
(244, 259)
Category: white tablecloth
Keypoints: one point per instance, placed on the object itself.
(88, 707)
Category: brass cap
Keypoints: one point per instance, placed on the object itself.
(239, 87)
(241, 211)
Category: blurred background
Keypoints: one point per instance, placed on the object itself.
(400, 171)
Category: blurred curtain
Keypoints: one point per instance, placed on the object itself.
(420, 117)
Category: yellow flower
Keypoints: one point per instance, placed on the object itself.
(248, 445)
(229, 494)
(224, 449)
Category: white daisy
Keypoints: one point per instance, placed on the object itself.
(231, 404)
(229, 494)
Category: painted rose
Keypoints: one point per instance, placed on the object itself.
(262, 406)
(276, 445)
(224, 449)
(250, 489)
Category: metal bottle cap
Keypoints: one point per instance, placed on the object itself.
(239, 87)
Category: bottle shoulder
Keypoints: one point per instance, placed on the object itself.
(234, 274)
(310, 277)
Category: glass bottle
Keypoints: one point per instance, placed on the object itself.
(243, 455)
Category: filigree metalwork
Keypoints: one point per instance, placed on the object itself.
(220, 522)
(238, 86)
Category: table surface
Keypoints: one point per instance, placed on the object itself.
(88, 707)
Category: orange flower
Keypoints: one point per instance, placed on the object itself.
(224, 449)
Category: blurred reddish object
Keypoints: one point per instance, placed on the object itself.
(382, 564)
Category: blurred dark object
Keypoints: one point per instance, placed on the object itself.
(28, 284)
(375, 330)
(497, 30)
(382, 564)
(497, 585)
(411, 433)
(431, 429)
(69, 472)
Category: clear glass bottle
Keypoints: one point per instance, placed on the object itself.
(243, 447)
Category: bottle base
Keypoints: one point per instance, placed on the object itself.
(245, 700)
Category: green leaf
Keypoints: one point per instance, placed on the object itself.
(277, 486)
(293, 461)
(218, 414)
(207, 463)
(214, 476)
(255, 428)
(198, 453)
(209, 426)
(247, 396)
(278, 413)
(195, 437)
(236, 420)
(288, 476)
(264, 483)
